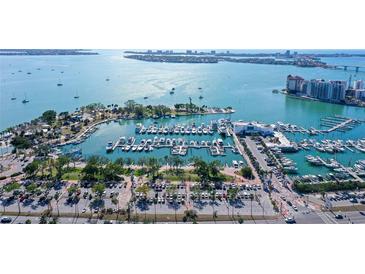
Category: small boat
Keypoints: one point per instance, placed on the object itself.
(145, 97)
(109, 147)
(25, 99)
(29, 73)
(199, 88)
(172, 92)
(201, 97)
(13, 97)
(107, 79)
(134, 148)
(76, 96)
(59, 85)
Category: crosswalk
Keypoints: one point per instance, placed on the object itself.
(326, 218)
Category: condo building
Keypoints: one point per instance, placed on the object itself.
(333, 91)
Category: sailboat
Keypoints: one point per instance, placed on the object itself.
(25, 99)
(76, 96)
(13, 97)
(59, 84)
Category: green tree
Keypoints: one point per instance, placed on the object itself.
(190, 215)
(32, 168)
(49, 116)
(99, 189)
(32, 187)
(246, 172)
(11, 187)
(60, 164)
(21, 142)
(153, 166)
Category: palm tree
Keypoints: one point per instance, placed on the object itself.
(56, 197)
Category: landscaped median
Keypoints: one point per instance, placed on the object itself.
(327, 186)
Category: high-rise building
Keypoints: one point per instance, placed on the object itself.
(294, 83)
(334, 91)
(338, 89)
(358, 84)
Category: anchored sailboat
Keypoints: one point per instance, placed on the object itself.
(25, 99)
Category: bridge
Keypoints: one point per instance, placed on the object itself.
(349, 67)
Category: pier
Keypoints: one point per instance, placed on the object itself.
(333, 123)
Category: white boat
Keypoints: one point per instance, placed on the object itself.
(109, 147)
(235, 164)
(220, 142)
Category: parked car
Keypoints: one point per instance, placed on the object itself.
(290, 220)
(6, 220)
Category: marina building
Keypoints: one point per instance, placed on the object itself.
(252, 128)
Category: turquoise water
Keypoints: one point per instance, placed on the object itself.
(95, 144)
(245, 87)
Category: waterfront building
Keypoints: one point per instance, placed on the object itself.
(338, 90)
(360, 94)
(333, 91)
(294, 83)
(252, 128)
(359, 84)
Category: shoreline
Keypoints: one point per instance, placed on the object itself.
(306, 98)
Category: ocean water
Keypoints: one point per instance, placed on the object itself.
(245, 87)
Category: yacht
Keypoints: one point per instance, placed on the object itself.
(235, 150)
(122, 140)
(200, 131)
